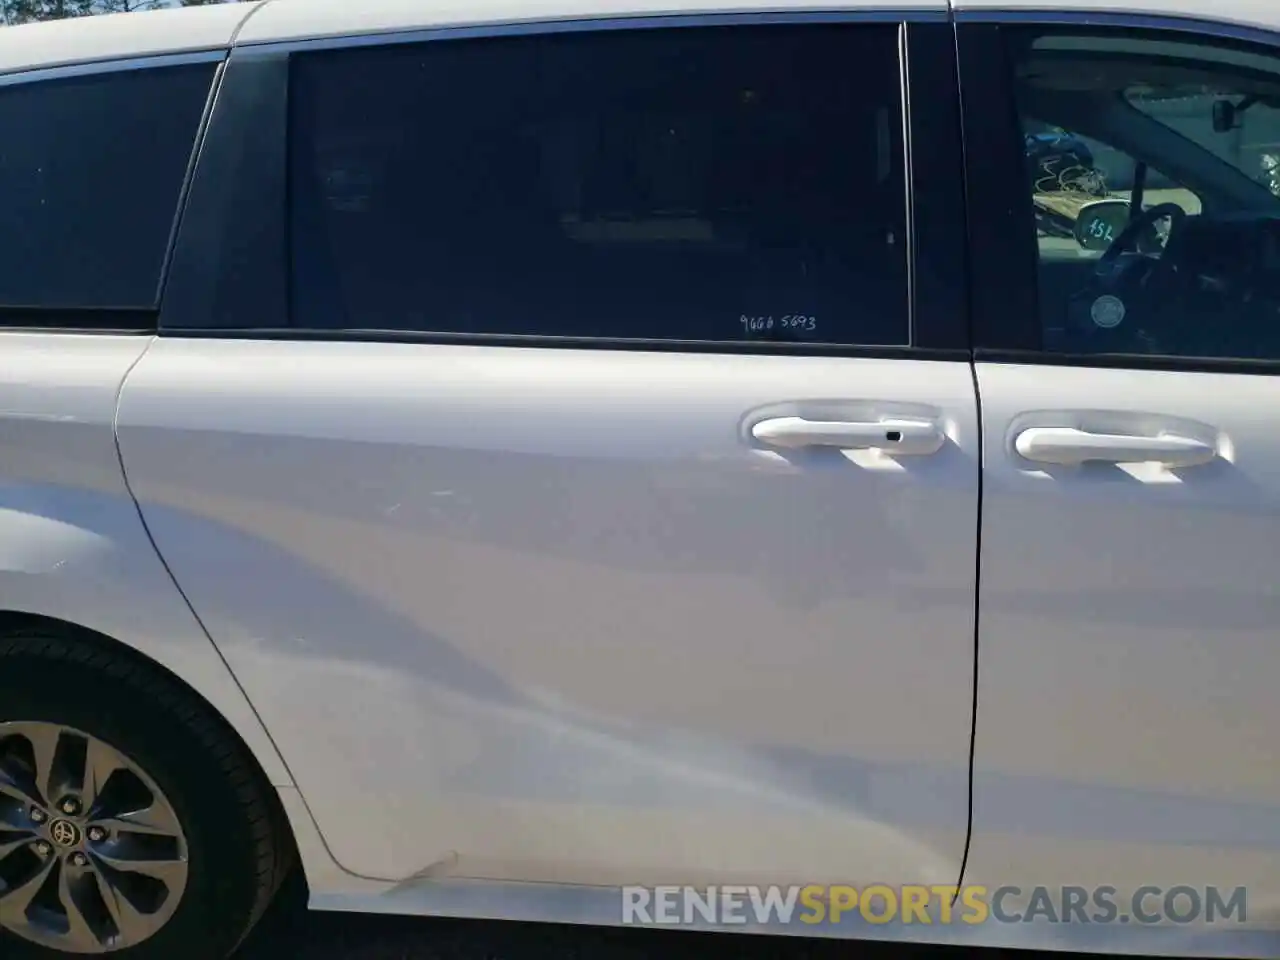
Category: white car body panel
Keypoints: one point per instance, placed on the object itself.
(72, 546)
(529, 623)
(113, 36)
(552, 606)
(1127, 714)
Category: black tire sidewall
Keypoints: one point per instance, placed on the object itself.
(153, 727)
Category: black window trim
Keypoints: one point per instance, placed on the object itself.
(111, 320)
(886, 14)
(187, 177)
(1004, 305)
(941, 333)
(89, 68)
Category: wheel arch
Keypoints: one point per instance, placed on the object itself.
(12, 621)
(294, 852)
(16, 621)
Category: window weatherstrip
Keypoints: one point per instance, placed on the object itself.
(596, 24)
(98, 67)
(1188, 24)
(908, 180)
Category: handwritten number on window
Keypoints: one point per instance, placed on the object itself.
(790, 321)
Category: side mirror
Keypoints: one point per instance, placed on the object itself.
(1100, 222)
(1224, 116)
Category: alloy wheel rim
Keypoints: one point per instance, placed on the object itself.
(93, 858)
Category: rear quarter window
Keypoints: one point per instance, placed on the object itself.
(91, 171)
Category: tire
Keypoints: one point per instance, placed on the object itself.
(237, 851)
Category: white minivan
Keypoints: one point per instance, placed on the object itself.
(803, 468)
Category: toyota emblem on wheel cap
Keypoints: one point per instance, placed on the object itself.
(64, 833)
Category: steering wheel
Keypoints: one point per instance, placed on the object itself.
(1145, 220)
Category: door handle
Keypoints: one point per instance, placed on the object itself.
(1072, 447)
(893, 436)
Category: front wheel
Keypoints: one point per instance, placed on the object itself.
(132, 823)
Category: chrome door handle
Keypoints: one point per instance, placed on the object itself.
(893, 436)
(1071, 447)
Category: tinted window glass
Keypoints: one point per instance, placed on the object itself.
(692, 184)
(1152, 164)
(90, 173)
(228, 268)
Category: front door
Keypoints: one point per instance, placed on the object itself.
(1129, 617)
(610, 524)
